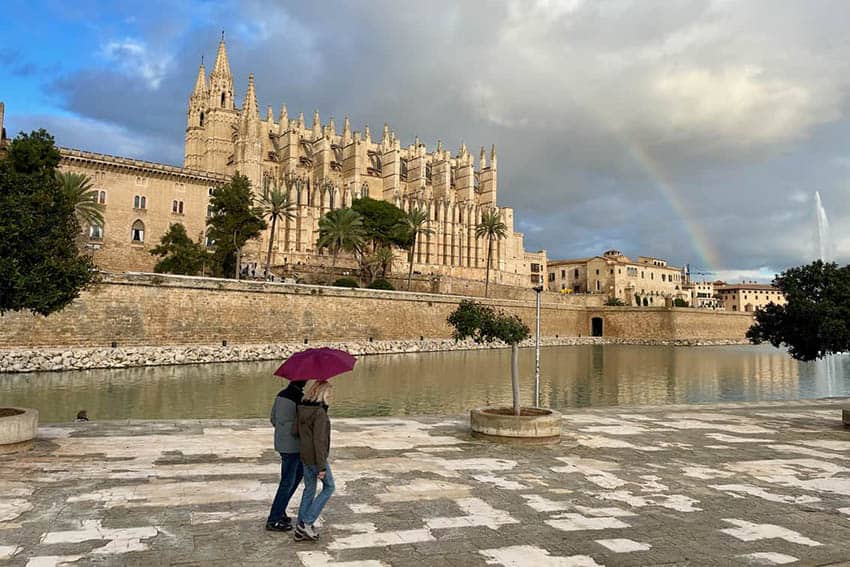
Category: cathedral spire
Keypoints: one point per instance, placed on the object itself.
(270, 115)
(301, 120)
(332, 126)
(493, 156)
(367, 135)
(222, 67)
(346, 130)
(250, 111)
(283, 126)
(317, 124)
(201, 88)
(483, 159)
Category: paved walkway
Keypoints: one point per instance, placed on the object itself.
(761, 484)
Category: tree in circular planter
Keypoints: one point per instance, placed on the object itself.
(484, 325)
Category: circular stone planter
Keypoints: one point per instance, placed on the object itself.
(18, 427)
(501, 422)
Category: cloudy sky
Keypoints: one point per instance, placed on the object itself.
(692, 130)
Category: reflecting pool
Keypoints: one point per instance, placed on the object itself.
(445, 383)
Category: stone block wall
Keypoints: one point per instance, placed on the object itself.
(146, 309)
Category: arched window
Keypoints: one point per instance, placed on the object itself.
(136, 202)
(210, 241)
(180, 207)
(137, 233)
(298, 195)
(364, 190)
(222, 99)
(95, 231)
(202, 119)
(173, 206)
(101, 197)
(331, 198)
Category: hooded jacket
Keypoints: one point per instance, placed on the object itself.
(283, 418)
(313, 427)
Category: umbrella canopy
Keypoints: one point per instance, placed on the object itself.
(316, 364)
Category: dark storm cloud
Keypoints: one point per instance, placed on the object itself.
(618, 124)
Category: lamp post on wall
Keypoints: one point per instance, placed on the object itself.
(538, 290)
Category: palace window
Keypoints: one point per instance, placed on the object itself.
(137, 233)
(551, 276)
(140, 202)
(210, 241)
(563, 274)
(177, 207)
(101, 197)
(575, 274)
(95, 231)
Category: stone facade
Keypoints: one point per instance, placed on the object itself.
(617, 276)
(748, 296)
(702, 295)
(138, 309)
(141, 200)
(322, 168)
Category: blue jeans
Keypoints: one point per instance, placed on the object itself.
(311, 504)
(291, 473)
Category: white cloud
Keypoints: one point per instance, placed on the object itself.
(132, 56)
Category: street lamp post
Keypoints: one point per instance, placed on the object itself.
(538, 290)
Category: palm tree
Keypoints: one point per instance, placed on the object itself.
(415, 220)
(491, 227)
(341, 229)
(275, 205)
(82, 194)
(381, 258)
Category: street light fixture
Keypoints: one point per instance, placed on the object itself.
(538, 290)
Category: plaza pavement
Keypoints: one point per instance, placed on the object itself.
(744, 484)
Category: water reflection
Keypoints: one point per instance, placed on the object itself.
(441, 383)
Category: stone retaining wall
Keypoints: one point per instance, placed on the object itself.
(131, 310)
(40, 360)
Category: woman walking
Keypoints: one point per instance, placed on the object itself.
(314, 429)
(291, 471)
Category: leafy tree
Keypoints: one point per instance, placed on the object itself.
(416, 220)
(276, 206)
(378, 262)
(83, 195)
(41, 269)
(484, 325)
(340, 230)
(234, 221)
(381, 283)
(614, 302)
(815, 320)
(679, 302)
(180, 255)
(384, 224)
(492, 228)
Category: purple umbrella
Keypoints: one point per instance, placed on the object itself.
(315, 364)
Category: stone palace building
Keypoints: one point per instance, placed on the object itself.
(321, 167)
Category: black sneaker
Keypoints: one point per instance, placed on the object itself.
(280, 526)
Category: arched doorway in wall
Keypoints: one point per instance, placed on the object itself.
(596, 327)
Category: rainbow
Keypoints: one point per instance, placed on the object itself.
(708, 256)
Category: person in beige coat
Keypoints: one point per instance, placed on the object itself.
(313, 427)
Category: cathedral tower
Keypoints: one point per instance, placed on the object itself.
(249, 146)
(195, 122)
(221, 117)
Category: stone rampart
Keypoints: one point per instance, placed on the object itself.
(158, 310)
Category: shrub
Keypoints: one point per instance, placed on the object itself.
(679, 302)
(614, 302)
(381, 283)
(345, 282)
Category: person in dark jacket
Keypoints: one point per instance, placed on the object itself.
(314, 429)
(291, 470)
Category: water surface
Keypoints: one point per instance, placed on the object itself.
(446, 383)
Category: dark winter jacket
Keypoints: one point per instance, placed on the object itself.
(313, 427)
(283, 418)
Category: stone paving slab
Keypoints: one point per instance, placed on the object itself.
(733, 484)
